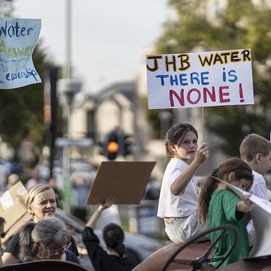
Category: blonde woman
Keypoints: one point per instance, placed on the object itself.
(41, 203)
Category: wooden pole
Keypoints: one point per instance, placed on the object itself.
(203, 124)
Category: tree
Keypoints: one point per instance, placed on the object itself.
(239, 24)
(6, 8)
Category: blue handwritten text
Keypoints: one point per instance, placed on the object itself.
(21, 74)
(14, 30)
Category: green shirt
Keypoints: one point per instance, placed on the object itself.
(222, 210)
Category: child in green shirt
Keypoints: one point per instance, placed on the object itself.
(218, 205)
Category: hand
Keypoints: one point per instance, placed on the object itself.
(109, 201)
(245, 205)
(202, 153)
(246, 200)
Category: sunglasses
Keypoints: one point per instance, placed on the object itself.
(3, 235)
(59, 251)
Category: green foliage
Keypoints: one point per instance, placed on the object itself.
(240, 24)
(154, 117)
(6, 8)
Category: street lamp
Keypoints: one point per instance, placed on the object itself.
(67, 88)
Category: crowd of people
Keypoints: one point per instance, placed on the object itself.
(47, 237)
(186, 207)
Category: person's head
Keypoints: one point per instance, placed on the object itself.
(234, 171)
(35, 174)
(47, 239)
(41, 202)
(52, 182)
(256, 151)
(181, 141)
(80, 181)
(13, 179)
(113, 236)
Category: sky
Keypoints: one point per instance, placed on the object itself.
(108, 36)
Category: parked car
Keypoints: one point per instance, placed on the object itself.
(140, 246)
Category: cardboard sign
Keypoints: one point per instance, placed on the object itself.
(125, 180)
(13, 209)
(18, 39)
(202, 79)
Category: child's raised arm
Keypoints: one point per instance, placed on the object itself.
(179, 185)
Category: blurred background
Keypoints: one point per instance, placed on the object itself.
(62, 129)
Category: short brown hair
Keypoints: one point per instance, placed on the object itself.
(253, 144)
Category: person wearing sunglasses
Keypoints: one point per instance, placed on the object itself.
(46, 240)
(2, 235)
(41, 203)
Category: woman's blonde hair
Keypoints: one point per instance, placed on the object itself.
(34, 191)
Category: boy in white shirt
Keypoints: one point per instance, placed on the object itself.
(255, 150)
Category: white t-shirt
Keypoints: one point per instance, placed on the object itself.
(181, 205)
(259, 186)
(258, 189)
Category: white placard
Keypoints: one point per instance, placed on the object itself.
(21, 191)
(6, 200)
(18, 38)
(202, 79)
(262, 203)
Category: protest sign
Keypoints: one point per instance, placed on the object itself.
(13, 209)
(126, 180)
(202, 79)
(18, 38)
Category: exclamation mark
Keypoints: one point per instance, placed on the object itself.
(241, 93)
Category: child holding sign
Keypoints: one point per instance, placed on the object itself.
(218, 205)
(179, 194)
